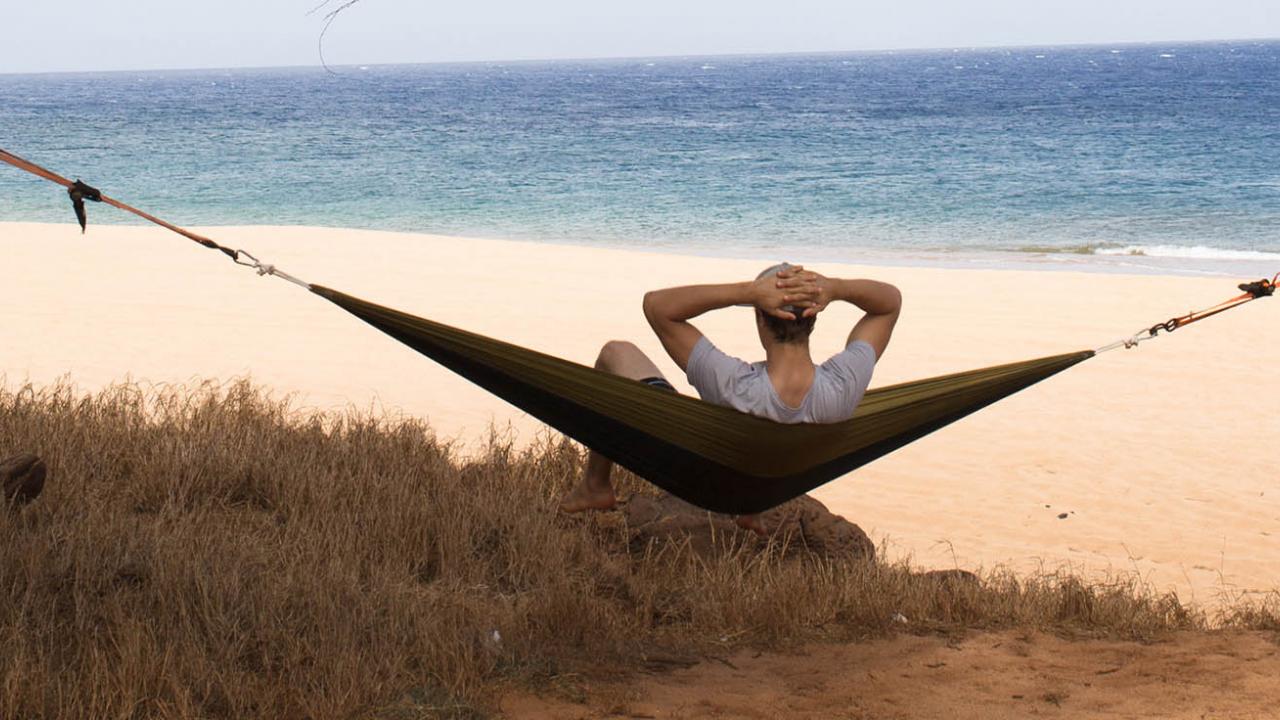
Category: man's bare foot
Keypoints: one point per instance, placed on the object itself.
(584, 498)
(752, 523)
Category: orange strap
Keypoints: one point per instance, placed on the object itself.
(1252, 291)
(74, 187)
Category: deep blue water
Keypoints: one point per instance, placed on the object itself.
(1171, 149)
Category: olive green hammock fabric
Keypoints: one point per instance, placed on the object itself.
(711, 456)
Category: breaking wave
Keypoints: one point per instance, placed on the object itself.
(1189, 252)
(1196, 252)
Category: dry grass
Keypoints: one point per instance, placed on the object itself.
(208, 552)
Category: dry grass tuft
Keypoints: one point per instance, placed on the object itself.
(208, 552)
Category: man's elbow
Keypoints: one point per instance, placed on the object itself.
(893, 300)
(650, 305)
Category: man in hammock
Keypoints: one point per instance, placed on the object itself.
(786, 387)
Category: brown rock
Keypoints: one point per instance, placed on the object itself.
(22, 477)
(803, 523)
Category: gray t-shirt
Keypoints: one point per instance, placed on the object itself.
(838, 384)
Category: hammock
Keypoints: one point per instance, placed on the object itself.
(714, 457)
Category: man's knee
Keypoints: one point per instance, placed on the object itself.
(616, 352)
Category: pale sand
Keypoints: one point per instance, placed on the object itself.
(1164, 456)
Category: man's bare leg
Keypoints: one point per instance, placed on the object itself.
(595, 492)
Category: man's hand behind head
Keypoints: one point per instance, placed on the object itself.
(787, 290)
(816, 289)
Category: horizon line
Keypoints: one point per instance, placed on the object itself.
(783, 53)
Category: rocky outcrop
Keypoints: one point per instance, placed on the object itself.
(804, 524)
(22, 478)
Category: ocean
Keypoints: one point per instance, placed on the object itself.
(1130, 157)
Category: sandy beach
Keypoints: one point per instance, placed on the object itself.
(1162, 457)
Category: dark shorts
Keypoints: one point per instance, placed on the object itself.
(659, 382)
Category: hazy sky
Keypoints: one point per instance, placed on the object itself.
(146, 34)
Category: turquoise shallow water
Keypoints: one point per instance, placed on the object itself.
(1145, 156)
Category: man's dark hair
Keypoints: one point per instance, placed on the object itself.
(788, 331)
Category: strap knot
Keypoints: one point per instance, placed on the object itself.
(80, 192)
(1259, 288)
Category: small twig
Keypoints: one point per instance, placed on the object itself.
(329, 17)
(722, 661)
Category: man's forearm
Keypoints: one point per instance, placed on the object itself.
(682, 303)
(873, 296)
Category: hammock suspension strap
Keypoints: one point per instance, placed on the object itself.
(80, 191)
(1252, 291)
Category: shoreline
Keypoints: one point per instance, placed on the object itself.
(1158, 456)
(1107, 258)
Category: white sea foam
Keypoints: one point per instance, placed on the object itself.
(1196, 252)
